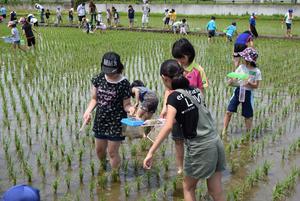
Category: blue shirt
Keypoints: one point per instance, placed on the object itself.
(211, 25)
(130, 13)
(3, 11)
(252, 21)
(243, 38)
(230, 30)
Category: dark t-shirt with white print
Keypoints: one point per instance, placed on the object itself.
(193, 120)
(109, 108)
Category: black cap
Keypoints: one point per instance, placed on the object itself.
(111, 63)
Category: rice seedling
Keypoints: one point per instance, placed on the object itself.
(68, 181)
(80, 175)
(55, 185)
(101, 181)
(126, 189)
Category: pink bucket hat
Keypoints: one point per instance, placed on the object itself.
(249, 54)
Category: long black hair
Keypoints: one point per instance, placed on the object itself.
(183, 47)
(171, 69)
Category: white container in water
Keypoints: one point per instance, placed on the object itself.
(242, 93)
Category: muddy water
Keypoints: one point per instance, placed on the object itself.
(60, 95)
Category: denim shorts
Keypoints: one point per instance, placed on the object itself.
(247, 106)
(288, 26)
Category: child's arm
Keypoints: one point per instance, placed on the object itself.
(136, 95)
(91, 106)
(252, 84)
(163, 112)
(128, 107)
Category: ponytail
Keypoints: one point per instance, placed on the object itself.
(171, 69)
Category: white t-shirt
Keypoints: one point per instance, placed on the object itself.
(99, 17)
(81, 10)
(254, 74)
(288, 19)
(15, 34)
(146, 9)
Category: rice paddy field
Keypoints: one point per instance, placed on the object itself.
(43, 94)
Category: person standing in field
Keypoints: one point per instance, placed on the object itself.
(15, 36)
(249, 67)
(3, 12)
(116, 17)
(93, 12)
(131, 16)
(204, 151)
(230, 31)
(71, 15)
(43, 15)
(145, 16)
(108, 17)
(28, 32)
(47, 16)
(288, 18)
(13, 16)
(211, 28)
(252, 25)
(242, 41)
(184, 27)
(184, 52)
(81, 13)
(111, 98)
(166, 18)
(173, 17)
(58, 16)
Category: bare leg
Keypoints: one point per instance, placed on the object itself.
(101, 146)
(227, 119)
(248, 123)
(189, 187)
(214, 186)
(179, 154)
(113, 152)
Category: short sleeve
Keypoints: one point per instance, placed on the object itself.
(239, 69)
(126, 89)
(172, 99)
(258, 75)
(96, 81)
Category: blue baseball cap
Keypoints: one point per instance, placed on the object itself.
(290, 10)
(21, 193)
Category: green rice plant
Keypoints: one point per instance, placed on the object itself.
(91, 188)
(266, 168)
(55, 185)
(166, 163)
(69, 160)
(133, 150)
(136, 164)
(80, 154)
(154, 196)
(143, 145)
(101, 181)
(125, 166)
(138, 181)
(92, 166)
(148, 174)
(115, 175)
(68, 181)
(43, 171)
(56, 165)
(126, 189)
(81, 175)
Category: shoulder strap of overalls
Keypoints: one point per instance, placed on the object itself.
(190, 97)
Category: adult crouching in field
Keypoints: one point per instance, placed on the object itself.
(28, 32)
(243, 41)
(111, 98)
(204, 151)
(252, 25)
